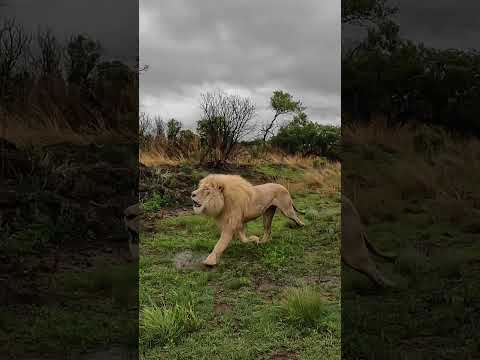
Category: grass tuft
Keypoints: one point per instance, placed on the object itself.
(305, 308)
(160, 325)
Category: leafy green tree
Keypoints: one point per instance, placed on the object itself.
(83, 54)
(389, 77)
(187, 142)
(282, 103)
(173, 129)
(354, 11)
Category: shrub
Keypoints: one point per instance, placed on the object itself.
(156, 202)
(305, 137)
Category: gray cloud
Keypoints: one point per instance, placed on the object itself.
(246, 47)
(440, 23)
(113, 23)
(436, 23)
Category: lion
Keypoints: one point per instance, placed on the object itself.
(233, 201)
(355, 243)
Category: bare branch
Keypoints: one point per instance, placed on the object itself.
(227, 119)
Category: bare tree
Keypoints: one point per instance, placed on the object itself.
(144, 130)
(226, 120)
(159, 126)
(51, 54)
(14, 42)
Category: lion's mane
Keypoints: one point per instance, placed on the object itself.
(237, 194)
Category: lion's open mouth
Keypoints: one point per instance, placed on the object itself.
(196, 204)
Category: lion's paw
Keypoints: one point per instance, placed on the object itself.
(211, 260)
(254, 238)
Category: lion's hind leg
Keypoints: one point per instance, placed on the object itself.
(267, 223)
(285, 203)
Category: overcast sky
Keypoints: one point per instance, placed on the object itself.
(245, 47)
(440, 23)
(113, 23)
(436, 23)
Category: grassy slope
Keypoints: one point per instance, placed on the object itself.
(438, 242)
(240, 309)
(95, 315)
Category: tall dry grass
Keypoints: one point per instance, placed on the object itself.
(424, 163)
(55, 131)
(161, 153)
(325, 180)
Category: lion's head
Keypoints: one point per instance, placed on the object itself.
(208, 199)
(219, 194)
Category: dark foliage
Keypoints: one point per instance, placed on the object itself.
(305, 137)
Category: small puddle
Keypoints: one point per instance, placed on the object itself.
(186, 260)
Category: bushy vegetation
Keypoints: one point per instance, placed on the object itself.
(388, 76)
(307, 138)
(167, 138)
(47, 83)
(226, 132)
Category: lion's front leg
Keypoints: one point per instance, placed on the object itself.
(219, 248)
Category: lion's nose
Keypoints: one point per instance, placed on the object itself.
(193, 195)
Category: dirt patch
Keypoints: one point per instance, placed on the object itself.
(265, 287)
(149, 219)
(222, 308)
(169, 213)
(328, 280)
(284, 355)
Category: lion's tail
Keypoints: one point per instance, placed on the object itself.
(386, 255)
(301, 212)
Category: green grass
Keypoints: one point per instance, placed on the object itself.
(437, 302)
(261, 300)
(95, 315)
(278, 171)
(306, 309)
(156, 202)
(161, 325)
